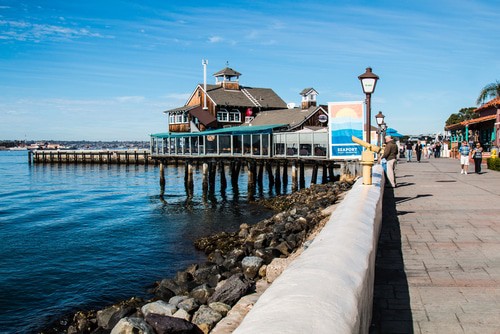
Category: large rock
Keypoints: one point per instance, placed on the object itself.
(175, 300)
(250, 266)
(206, 317)
(159, 307)
(109, 317)
(167, 288)
(231, 291)
(201, 293)
(221, 308)
(188, 305)
(171, 325)
(275, 268)
(132, 326)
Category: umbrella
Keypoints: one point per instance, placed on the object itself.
(393, 132)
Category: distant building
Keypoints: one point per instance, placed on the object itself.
(223, 104)
(484, 129)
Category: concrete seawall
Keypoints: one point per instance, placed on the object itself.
(329, 287)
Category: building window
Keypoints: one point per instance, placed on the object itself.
(178, 118)
(235, 116)
(222, 115)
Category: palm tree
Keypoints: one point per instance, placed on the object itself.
(491, 90)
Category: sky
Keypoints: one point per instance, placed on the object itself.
(107, 69)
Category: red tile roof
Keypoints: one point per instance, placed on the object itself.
(471, 121)
(492, 103)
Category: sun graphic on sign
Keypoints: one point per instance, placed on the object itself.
(354, 111)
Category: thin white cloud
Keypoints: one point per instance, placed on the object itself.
(215, 39)
(26, 31)
(130, 99)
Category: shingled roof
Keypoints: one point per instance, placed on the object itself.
(244, 97)
(294, 117)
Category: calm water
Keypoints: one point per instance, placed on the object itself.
(83, 236)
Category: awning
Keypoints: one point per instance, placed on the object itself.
(203, 116)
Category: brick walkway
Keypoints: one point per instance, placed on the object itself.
(438, 261)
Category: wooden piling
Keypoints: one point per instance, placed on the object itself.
(302, 181)
(277, 178)
(162, 179)
(260, 176)
(294, 176)
(285, 175)
(270, 177)
(204, 178)
(189, 179)
(222, 176)
(331, 176)
(211, 177)
(251, 180)
(324, 178)
(314, 175)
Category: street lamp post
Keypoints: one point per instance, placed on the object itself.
(380, 120)
(368, 83)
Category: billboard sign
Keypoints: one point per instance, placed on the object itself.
(346, 120)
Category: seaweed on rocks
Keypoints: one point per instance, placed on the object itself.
(202, 294)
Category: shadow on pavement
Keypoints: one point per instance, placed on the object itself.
(391, 298)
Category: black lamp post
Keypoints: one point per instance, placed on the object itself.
(368, 82)
(380, 120)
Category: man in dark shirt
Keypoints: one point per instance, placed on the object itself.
(390, 154)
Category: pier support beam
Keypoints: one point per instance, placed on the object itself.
(204, 179)
(222, 175)
(260, 176)
(314, 176)
(294, 177)
(251, 180)
(302, 181)
(277, 178)
(285, 176)
(162, 179)
(269, 169)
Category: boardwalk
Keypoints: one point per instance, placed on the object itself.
(438, 262)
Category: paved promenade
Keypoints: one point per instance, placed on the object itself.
(438, 261)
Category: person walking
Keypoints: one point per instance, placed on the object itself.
(390, 155)
(464, 157)
(477, 155)
(418, 150)
(409, 151)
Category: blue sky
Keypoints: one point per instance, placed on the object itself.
(106, 70)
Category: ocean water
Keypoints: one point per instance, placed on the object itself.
(78, 237)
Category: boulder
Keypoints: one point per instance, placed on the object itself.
(275, 268)
(207, 317)
(182, 314)
(167, 288)
(250, 266)
(171, 325)
(231, 291)
(188, 305)
(159, 307)
(109, 317)
(175, 300)
(201, 293)
(132, 326)
(220, 308)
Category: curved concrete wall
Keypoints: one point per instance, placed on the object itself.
(329, 287)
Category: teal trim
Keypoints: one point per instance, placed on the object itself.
(235, 130)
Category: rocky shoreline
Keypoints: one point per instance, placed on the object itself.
(196, 299)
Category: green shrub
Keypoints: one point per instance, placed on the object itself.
(493, 163)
